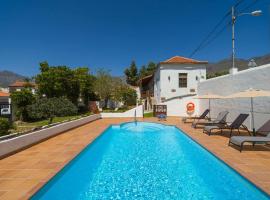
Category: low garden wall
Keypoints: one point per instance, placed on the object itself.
(128, 113)
(12, 145)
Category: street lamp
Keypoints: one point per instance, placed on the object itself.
(254, 13)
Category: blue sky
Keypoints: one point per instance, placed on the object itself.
(109, 34)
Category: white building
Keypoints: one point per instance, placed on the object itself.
(178, 76)
(19, 85)
(175, 83)
(5, 102)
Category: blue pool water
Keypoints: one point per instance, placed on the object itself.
(147, 161)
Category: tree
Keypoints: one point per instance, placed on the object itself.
(86, 82)
(103, 85)
(58, 81)
(125, 94)
(143, 72)
(44, 66)
(108, 87)
(132, 74)
(48, 108)
(21, 99)
(150, 69)
(129, 96)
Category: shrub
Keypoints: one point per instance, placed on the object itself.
(126, 95)
(130, 97)
(64, 107)
(20, 100)
(4, 126)
(47, 108)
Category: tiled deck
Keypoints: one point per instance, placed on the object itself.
(23, 173)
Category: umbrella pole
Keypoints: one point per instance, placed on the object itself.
(209, 101)
(252, 116)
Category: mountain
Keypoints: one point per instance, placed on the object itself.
(213, 69)
(8, 77)
(223, 66)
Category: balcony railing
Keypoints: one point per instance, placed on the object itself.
(147, 93)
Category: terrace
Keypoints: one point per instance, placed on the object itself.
(23, 173)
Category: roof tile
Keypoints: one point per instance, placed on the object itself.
(4, 94)
(182, 60)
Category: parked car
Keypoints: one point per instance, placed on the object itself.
(5, 111)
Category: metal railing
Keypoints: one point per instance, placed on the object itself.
(147, 93)
(135, 116)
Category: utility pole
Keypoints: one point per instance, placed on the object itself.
(254, 13)
(233, 39)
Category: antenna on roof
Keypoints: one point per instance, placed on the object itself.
(252, 63)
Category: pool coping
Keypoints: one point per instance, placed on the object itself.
(14, 145)
(66, 164)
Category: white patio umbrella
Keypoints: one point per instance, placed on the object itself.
(209, 97)
(250, 93)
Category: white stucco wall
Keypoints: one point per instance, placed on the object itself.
(169, 79)
(257, 78)
(129, 113)
(177, 106)
(157, 85)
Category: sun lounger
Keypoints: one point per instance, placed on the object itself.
(220, 120)
(202, 116)
(237, 124)
(263, 130)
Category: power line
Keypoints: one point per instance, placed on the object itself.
(205, 42)
(238, 3)
(249, 5)
(217, 35)
(210, 34)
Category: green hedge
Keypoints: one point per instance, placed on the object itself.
(47, 108)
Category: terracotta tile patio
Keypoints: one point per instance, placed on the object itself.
(23, 173)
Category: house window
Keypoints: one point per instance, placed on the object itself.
(182, 80)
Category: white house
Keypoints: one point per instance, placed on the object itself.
(5, 102)
(178, 76)
(19, 85)
(175, 83)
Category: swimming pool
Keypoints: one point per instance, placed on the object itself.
(147, 161)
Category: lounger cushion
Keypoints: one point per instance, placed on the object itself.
(209, 128)
(238, 140)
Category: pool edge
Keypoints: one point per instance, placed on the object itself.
(32, 192)
(38, 187)
(224, 162)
